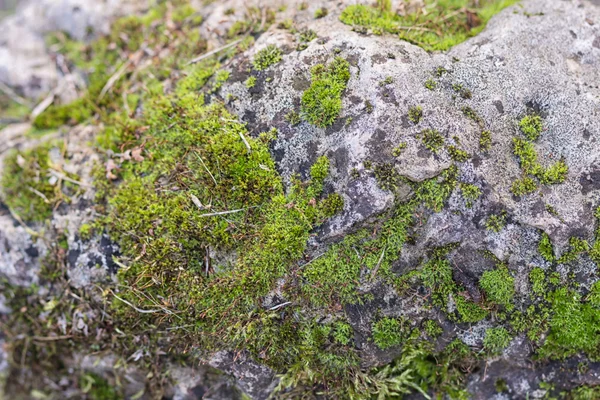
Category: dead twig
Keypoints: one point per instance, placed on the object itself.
(212, 52)
(223, 213)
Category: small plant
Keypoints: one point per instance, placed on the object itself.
(440, 71)
(86, 231)
(432, 139)
(496, 340)
(523, 186)
(499, 286)
(397, 151)
(266, 57)
(387, 81)
(415, 114)
(457, 154)
(495, 223)
(322, 103)
(485, 140)
(471, 114)
(250, 82)
(387, 176)
(388, 332)
(545, 248)
(470, 193)
(293, 118)
(462, 91)
(432, 328)
(342, 333)
(321, 12)
(368, 107)
(555, 174)
(286, 24)
(531, 126)
(537, 278)
(431, 84)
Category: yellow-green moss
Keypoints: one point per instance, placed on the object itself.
(266, 57)
(322, 102)
(445, 24)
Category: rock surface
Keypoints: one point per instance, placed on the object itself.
(543, 56)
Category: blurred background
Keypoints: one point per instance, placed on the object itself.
(7, 7)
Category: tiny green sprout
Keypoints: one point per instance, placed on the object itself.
(462, 91)
(286, 24)
(368, 107)
(321, 12)
(397, 151)
(302, 6)
(388, 332)
(367, 164)
(355, 173)
(432, 139)
(250, 82)
(545, 248)
(415, 114)
(266, 57)
(485, 140)
(307, 35)
(457, 154)
(495, 223)
(470, 193)
(532, 126)
(431, 84)
(496, 340)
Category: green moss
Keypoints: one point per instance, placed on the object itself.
(472, 114)
(537, 278)
(470, 192)
(388, 332)
(293, 118)
(431, 84)
(485, 140)
(68, 114)
(397, 151)
(496, 340)
(531, 126)
(443, 24)
(415, 114)
(457, 154)
(322, 102)
(306, 36)
(250, 82)
(495, 222)
(499, 286)
(545, 248)
(29, 188)
(321, 12)
(342, 333)
(555, 174)
(432, 139)
(387, 81)
(523, 186)
(98, 388)
(464, 92)
(577, 246)
(432, 328)
(266, 57)
(86, 231)
(468, 311)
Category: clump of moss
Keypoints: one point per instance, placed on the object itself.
(523, 186)
(250, 82)
(387, 81)
(537, 278)
(306, 36)
(388, 332)
(97, 388)
(32, 184)
(321, 12)
(555, 174)
(499, 286)
(457, 154)
(443, 26)
(432, 139)
(397, 151)
(56, 116)
(415, 114)
(485, 140)
(387, 176)
(532, 126)
(496, 340)
(472, 114)
(468, 311)
(432, 328)
(545, 248)
(577, 246)
(431, 84)
(464, 92)
(322, 102)
(293, 118)
(266, 57)
(470, 193)
(495, 222)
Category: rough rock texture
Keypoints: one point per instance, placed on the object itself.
(26, 65)
(549, 63)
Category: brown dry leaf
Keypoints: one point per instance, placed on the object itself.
(110, 166)
(136, 154)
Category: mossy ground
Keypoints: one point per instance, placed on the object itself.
(201, 185)
(437, 25)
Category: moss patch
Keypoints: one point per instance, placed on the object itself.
(434, 26)
(322, 102)
(266, 57)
